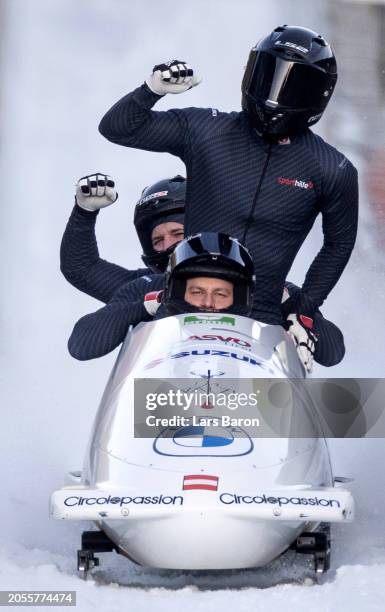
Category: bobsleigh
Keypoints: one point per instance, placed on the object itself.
(211, 494)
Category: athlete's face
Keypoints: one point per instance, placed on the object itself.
(209, 293)
(166, 235)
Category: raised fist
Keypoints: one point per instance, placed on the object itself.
(95, 191)
(172, 77)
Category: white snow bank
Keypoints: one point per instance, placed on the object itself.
(356, 587)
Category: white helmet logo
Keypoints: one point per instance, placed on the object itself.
(153, 196)
(292, 46)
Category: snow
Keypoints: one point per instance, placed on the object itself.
(356, 577)
(358, 585)
(63, 65)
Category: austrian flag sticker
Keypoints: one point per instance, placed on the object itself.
(200, 481)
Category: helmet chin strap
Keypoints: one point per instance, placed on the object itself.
(210, 309)
(180, 306)
(269, 137)
(157, 260)
(274, 138)
(270, 125)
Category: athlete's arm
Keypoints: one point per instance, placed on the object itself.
(100, 332)
(339, 210)
(81, 264)
(132, 123)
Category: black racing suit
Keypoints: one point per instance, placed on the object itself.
(266, 195)
(81, 264)
(83, 268)
(100, 332)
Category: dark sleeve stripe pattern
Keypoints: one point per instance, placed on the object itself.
(339, 209)
(237, 183)
(81, 264)
(330, 348)
(100, 332)
(132, 116)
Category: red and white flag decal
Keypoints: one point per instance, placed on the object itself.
(200, 481)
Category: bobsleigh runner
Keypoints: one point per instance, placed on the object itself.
(201, 496)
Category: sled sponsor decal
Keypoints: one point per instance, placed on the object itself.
(204, 353)
(122, 501)
(232, 498)
(202, 437)
(208, 319)
(226, 339)
(281, 180)
(198, 441)
(193, 482)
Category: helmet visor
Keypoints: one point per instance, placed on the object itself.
(279, 82)
(212, 249)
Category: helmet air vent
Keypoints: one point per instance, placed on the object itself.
(320, 41)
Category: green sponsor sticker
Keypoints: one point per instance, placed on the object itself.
(208, 319)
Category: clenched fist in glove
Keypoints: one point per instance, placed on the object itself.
(300, 329)
(95, 191)
(172, 77)
(152, 302)
(299, 310)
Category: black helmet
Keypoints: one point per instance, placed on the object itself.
(161, 202)
(289, 79)
(210, 254)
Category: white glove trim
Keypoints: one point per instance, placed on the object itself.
(304, 340)
(93, 192)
